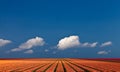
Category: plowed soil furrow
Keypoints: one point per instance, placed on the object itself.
(24, 68)
(86, 69)
(67, 67)
(11, 67)
(55, 70)
(34, 68)
(48, 67)
(63, 66)
(52, 68)
(103, 67)
(39, 68)
(77, 69)
(30, 68)
(99, 65)
(85, 66)
(59, 67)
(92, 68)
(43, 69)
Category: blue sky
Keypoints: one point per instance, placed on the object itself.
(85, 22)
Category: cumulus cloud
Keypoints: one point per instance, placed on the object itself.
(68, 42)
(4, 42)
(106, 44)
(103, 52)
(73, 41)
(37, 41)
(29, 51)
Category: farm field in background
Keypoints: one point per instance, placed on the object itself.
(59, 65)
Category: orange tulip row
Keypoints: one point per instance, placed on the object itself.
(58, 65)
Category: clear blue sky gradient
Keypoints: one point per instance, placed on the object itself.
(91, 20)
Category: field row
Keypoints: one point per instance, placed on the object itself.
(58, 65)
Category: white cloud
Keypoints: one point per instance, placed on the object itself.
(29, 51)
(16, 49)
(37, 41)
(4, 42)
(106, 44)
(103, 52)
(68, 42)
(89, 44)
(73, 41)
(46, 50)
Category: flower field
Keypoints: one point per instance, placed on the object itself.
(58, 65)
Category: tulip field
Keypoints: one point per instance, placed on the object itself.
(58, 65)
